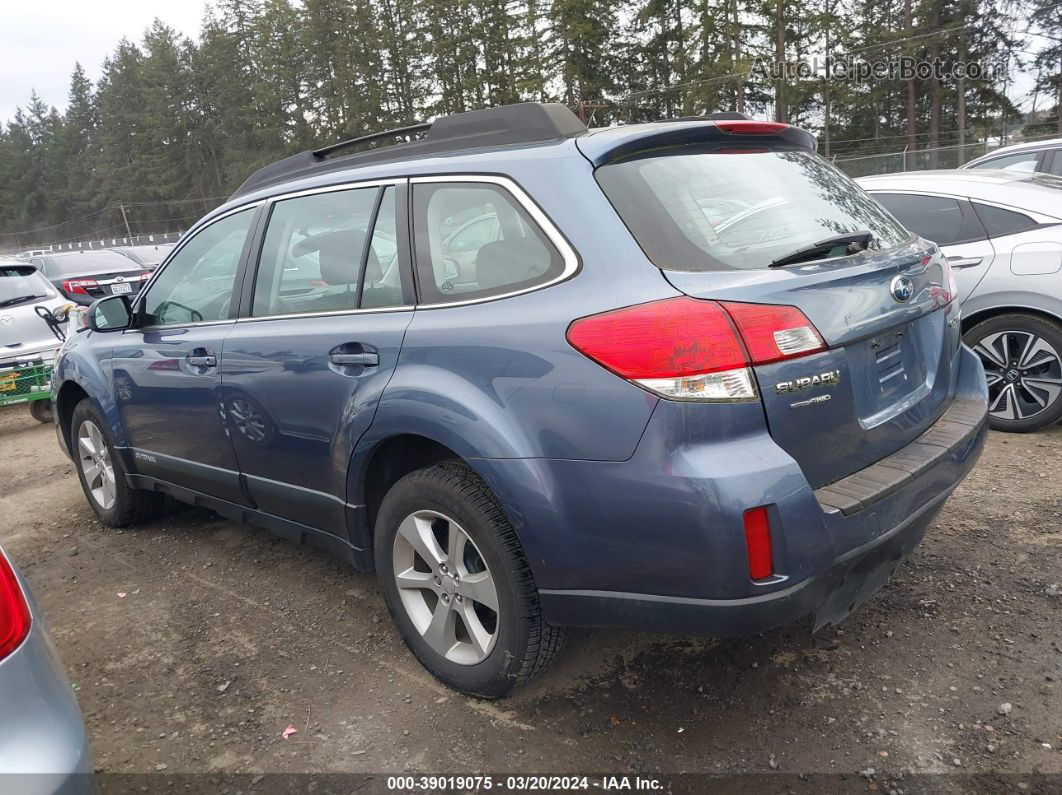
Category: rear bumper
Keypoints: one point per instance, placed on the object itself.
(657, 542)
(829, 596)
(43, 745)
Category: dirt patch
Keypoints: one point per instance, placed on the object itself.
(227, 635)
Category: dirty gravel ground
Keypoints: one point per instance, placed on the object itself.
(227, 636)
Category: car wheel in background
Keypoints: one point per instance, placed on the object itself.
(1022, 356)
(102, 472)
(457, 583)
(41, 410)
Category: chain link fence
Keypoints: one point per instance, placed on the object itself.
(921, 159)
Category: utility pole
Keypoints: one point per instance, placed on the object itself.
(585, 108)
(125, 218)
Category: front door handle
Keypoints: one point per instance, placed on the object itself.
(965, 262)
(366, 359)
(203, 361)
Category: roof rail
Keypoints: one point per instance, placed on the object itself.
(325, 151)
(524, 123)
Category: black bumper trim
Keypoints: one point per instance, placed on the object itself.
(829, 597)
(957, 426)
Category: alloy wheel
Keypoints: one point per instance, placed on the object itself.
(95, 458)
(1024, 374)
(446, 587)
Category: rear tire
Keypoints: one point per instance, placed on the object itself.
(103, 474)
(468, 607)
(41, 410)
(1022, 356)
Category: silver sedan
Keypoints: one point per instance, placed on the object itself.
(1001, 231)
(43, 747)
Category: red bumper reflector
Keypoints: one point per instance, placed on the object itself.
(758, 542)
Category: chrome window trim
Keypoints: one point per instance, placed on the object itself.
(334, 313)
(139, 296)
(369, 183)
(545, 225)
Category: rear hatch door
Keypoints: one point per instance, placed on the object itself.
(887, 373)
(726, 218)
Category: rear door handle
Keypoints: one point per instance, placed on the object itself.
(367, 359)
(965, 262)
(203, 361)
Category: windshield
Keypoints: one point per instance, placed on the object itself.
(721, 210)
(22, 282)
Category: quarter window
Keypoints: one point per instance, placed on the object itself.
(474, 240)
(315, 257)
(1001, 222)
(196, 284)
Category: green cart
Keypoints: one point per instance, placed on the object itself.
(28, 382)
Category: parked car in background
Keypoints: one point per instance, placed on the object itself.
(28, 339)
(1045, 156)
(147, 256)
(43, 744)
(520, 371)
(83, 276)
(1002, 233)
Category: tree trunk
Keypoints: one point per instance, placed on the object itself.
(781, 112)
(934, 88)
(908, 27)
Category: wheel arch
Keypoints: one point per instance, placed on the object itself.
(68, 396)
(389, 461)
(987, 313)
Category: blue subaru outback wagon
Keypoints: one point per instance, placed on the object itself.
(681, 376)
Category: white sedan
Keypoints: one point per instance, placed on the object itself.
(1002, 233)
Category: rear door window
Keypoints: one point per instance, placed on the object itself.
(941, 219)
(474, 240)
(739, 210)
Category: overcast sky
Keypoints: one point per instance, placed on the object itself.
(41, 40)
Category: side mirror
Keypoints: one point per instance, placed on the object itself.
(111, 313)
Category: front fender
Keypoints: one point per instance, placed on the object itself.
(83, 366)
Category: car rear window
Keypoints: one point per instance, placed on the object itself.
(697, 211)
(18, 281)
(87, 262)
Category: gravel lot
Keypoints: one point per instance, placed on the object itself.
(225, 636)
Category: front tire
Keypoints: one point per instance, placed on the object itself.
(102, 473)
(457, 583)
(41, 410)
(1022, 357)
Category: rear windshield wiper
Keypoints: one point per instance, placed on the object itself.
(851, 242)
(20, 299)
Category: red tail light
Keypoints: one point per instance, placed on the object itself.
(758, 543)
(751, 127)
(691, 349)
(81, 286)
(773, 333)
(14, 612)
(145, 276)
